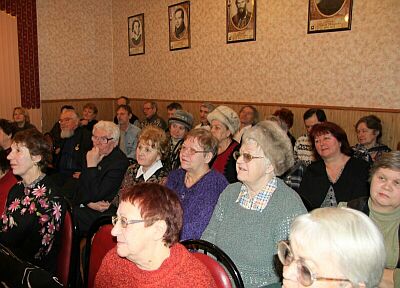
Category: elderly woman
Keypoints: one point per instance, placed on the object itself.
(196, 184)
(336, 176)
(332, 247)
(179, 125)
(21, 119)
(224, 124)
(32, 217)
(383, 207)
(89, 116)
(369, 133)
(251, 216)
(148, 254)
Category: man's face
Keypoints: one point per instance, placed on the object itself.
(241, 6)
(310, 122)
(136, 29)
(103, 141)
(171, 112)
(246, 116)
(178, 19)
(121, 101)
(68, 122)
(203, 114)
(123, 116)
(148, 110)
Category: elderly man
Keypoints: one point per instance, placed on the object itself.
(248, 116)
(150, 112)
(243, 16)
(205, 108)
(128, 132)
(101, 177)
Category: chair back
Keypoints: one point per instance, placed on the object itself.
(98, 242)
(218, 272)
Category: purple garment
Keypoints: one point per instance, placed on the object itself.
(198, 201)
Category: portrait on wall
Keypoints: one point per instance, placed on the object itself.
(179, 25)
(329, 15)
(136, 39)
(240, 20)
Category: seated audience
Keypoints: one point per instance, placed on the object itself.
(286, 116)
(383, 207)
(205, 109)
(248, 116)
(151, 116)
(55, 131)
(179, 125)
(336, 176)
(32, 218)
(101, 177)
(7, 180)
(172, 107)
(303, 148)
(332, 247)
(251, 216)
(123, 100)
(224, 124)
(21, 119)
(197, 186)
(148, 254)
(369, 133)
(129, 133)
(89, 115)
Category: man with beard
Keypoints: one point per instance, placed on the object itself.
(180, 27)
(243, 16)
(136, 33)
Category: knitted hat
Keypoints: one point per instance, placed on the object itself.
(227, 116)
(182, 117)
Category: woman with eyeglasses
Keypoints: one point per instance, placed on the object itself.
(251, 216)
(196, 184)
(332, 247)
(148, 252)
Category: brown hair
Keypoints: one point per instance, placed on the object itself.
(91, 106)
(157, 202)
(206, 140)
(285, 115)
(156, 138)
(24, 112)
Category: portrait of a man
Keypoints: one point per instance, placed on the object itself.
(180, 27)
(136, 39)
(329, 15)
(329, 7)
(242, 18)
(136, 32)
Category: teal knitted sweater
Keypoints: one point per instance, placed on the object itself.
(250, 237)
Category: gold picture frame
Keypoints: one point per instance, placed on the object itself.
(136, 39)
(240, 20)
(179, 26)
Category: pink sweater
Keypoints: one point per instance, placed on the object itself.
(180, 270)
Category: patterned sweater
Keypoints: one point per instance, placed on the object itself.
(250, 237)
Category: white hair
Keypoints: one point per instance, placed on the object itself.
(353, 240)
(111, 128)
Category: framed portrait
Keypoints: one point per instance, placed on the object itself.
(329, 15)
(240, 20)
(179, 25)
(136, 40)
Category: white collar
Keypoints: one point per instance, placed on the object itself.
(152, 169)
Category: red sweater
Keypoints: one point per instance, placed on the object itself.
(179, 270)
(6, 182)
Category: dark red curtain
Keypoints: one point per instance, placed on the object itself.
(25, 10)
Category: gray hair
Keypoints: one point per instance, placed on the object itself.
(111, 128)
(390, 160)
(353, 240)
(274, 143)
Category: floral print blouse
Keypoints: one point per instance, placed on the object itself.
(31, 220)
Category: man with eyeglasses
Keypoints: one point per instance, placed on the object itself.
(101, 177)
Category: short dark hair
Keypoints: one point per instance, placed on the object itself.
(7, 127)
(125, 107)
(36, 144)
(285, 115)
(67, 107)
(179, 9)
(125, 98)
(321, 116)
(372, 122)
(4, 163)
(133, 23)
(174, 105)
(336, 131)
(157, 202)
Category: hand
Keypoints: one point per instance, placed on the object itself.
(387, 279)
(100, 206)
(76, 175)
(93, 157)
(83, 122)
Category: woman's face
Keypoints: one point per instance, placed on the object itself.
(309, 260)
(327, 145)
(132, 241)
(21, 161)
(146, 155)
(219, 130)
(88, 114)
(18, 116)
(190, 160)
(256, 169)
(177, 130)
(385, 190)
(365, 135)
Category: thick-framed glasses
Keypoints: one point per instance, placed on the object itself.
(304, 274)
(101, 140)
(191, 151)
(124, 222)
(246, 156)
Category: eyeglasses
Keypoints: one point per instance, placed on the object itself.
(304, 274)
(124, 222)
(191, 151)
(246, 156)
(101, 140)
